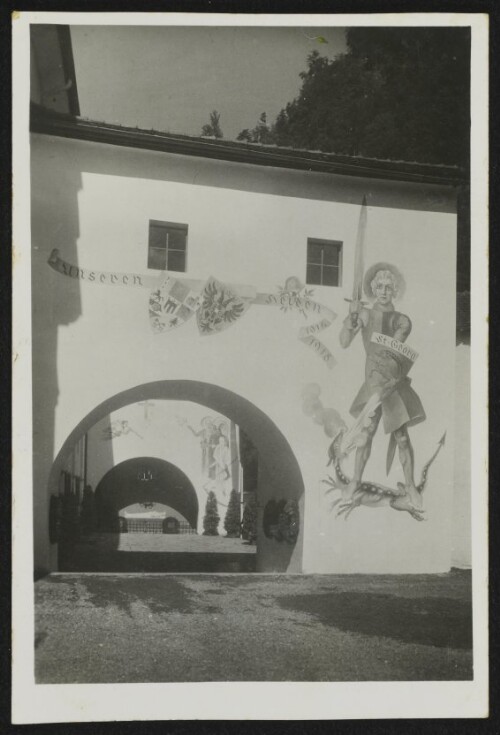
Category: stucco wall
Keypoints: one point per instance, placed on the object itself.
(250, 226)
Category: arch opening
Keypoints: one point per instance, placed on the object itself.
(278, 478)
(123, 488)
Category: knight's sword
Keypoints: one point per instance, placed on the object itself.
(359, 261)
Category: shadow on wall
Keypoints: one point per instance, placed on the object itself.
(279, 473)
(54, 224)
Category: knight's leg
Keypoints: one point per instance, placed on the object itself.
(362, 455)
(406, 458)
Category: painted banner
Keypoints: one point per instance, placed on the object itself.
(394, 344)
(294, 296)
(107, 278)
(173, 301)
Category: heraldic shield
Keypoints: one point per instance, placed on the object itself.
(172, 304)
(220, 307)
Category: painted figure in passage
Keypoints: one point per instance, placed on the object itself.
(386, 393)
(209, 435)
(222, 464)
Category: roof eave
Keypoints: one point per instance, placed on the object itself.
(66, 126)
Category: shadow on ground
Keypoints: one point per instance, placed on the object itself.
(107, 628)
(158, 553)
(165, 562)
(125, 591)
(440, 622)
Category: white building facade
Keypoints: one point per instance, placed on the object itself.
(250, 220)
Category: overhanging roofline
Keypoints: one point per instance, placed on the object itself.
(66, 126)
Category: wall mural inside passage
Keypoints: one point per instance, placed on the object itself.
(173, 301)
(118, 428)
(216, 456)
(386, 395)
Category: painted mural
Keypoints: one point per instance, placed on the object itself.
(386, 396)
(373, 494)
(217, 460)
(118, 428)
(173, 301)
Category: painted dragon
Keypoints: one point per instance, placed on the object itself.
(372, 494)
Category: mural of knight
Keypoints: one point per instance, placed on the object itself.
(386, 393)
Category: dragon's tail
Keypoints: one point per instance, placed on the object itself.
(425, 470)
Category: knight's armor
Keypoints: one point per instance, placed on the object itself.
(386, 370)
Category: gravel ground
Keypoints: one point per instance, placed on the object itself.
(97, 628)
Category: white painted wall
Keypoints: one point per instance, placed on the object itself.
(247, 225)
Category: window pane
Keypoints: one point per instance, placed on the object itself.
(313, 252)
(177, 239)
(157, 237)
(313, 274)
(167, 246)
(157, 258)
(176, 261)
(330, 276)
(330, 255)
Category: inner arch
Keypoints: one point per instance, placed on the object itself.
(121, 486)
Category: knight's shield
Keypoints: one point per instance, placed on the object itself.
(172, 304)
(220, 307)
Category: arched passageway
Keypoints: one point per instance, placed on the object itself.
(144, 480)
(279, 475)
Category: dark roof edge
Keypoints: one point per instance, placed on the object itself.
(67, 126)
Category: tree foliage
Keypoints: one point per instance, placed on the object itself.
(397, 93)
(213, 128)
(212, 518)
(261, 133)
(232, 521)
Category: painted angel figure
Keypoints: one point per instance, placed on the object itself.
(208, 434)
(222, 464)
(386, 392)
(118, 428)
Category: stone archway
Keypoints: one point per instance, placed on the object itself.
(280, 478)
(169, 486)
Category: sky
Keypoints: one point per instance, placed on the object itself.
(175, 76)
